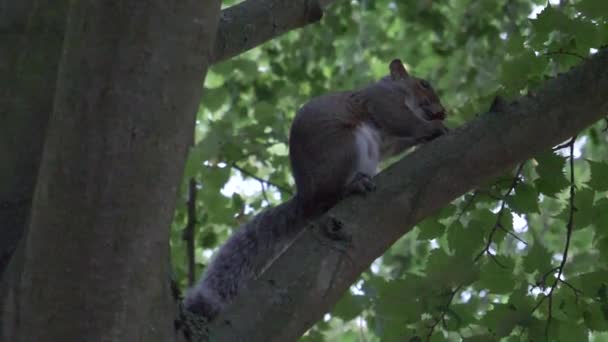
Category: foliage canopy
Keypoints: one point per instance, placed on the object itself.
(524, 257)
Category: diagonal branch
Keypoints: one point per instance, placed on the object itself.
(308, 278)
(254, 22)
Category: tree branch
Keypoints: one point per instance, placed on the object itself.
(188, 232)
(254, 22)
(309, 277)
(261, 180)
(498, 224)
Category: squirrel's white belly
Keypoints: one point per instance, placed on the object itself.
(368, 142)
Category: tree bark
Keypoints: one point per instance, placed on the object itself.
(96, 253)
(251, 23)
(32, 32)
(309, 278)
(36, 29)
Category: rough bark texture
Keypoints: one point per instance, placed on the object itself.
(32, 37)
(35, 30)
(251, 23)
(310, 277)
(95, 257)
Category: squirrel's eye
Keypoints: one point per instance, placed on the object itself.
(425, 84)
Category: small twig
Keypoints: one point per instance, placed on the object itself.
(498, 224)
(560, 269)
(467, 205)
(263, 185)
(512, 234)
(493, 257)
(574, 289)
(564, 145)
(543, 279)
(188, 233)
(261, 180)
(606, 128)
(566, 53)
(444, 311)
(570, 227)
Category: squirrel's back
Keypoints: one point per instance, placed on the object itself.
(336, 142)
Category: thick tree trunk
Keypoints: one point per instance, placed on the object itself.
(32, 38)
(96, 254)
(35, 29)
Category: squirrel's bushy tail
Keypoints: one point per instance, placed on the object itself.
(243, 256)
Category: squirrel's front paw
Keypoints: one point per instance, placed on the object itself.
(361, 184)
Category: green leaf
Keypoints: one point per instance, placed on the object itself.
(537, 330)
(506, 221)
(548, 20)
(596, 316)
(538, 259)
(465, 241)
(237, 202)
(208, 238)
(480, 338)
(502, 319)
(459, 316)
(593, 8)
(214, 98)
(592, 284)
(394, 300)
(602, 246)
(210, 146)
(550, 171)
(430, 229)
(446, 272)
(599, 175)
(516, 72)
(265, 113)
(566, 304)
(521, 300)
(600, 217)
(245, 67)
(497, 274)
(445, 212)
(214, 79)
(193, 163)
(349, 306)
(525, 199)
(584, 209)
(482, 221)
(569, 331)
(586, 33)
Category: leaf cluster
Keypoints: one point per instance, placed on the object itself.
(476, 270)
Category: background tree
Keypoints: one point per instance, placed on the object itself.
(523, 255)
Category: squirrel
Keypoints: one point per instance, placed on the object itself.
(336, 143)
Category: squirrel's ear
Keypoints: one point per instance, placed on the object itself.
(397, 70)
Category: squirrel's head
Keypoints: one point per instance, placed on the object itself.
(420, 98)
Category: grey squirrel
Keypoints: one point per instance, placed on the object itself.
(336, 142)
